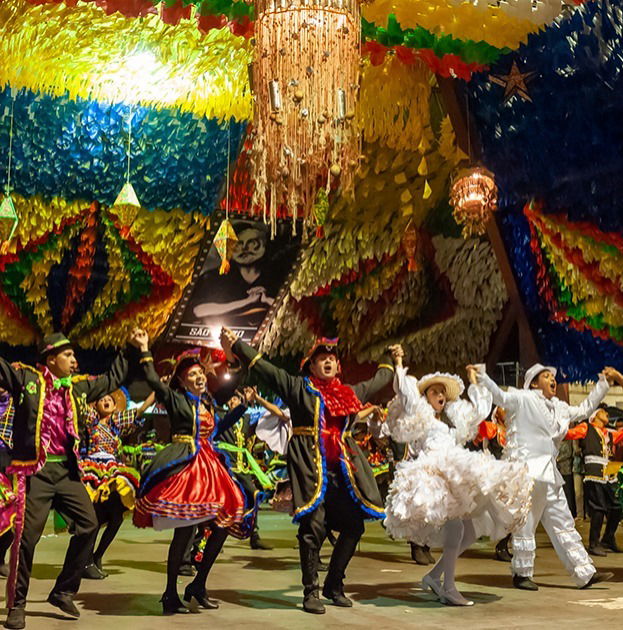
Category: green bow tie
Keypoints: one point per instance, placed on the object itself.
(61, 382)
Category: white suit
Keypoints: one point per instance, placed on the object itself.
(536, 427)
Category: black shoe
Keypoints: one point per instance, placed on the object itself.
(429, 555)
(4, 572)
(200, 596)
(187, 570)
(336, 595)
(92, 572)
(609, 544)
(597, 550)
(172, 605)
(524, 583)
(418, 555)
(598, 577)
(323, 567)
(503, 554)
(312, 603)
(65, 602)
(257, 543)
(16, 619)
(98, 563)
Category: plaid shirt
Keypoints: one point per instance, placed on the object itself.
(6, 425)
(105, 437)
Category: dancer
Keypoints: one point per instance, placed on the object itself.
(187, 483)
(449, 491)
(238, 440)
(600, 487)
(537, 422)
(111, 484)
(8, 500)
(333, 486)
(50, 410)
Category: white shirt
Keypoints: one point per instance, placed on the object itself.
(537, 426)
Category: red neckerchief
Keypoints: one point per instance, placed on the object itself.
(339, 399)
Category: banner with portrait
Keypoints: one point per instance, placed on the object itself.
(243, 299)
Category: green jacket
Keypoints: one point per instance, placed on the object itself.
(27, 386)
(305, 457)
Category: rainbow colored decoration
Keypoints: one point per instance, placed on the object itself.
(454, 38)
(565, 247)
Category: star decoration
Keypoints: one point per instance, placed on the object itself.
(514, 83)
(210, 366)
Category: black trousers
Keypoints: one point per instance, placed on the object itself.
(337, 512)
(602, 504)
(569, 490)
(58, 486)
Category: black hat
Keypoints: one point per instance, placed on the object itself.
(53, 344)
(321, 345)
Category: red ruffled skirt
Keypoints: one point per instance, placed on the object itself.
(203, 490)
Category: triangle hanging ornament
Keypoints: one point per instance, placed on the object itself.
(8, 219)
(127, 204)
(225, 241)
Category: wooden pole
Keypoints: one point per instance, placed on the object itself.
(467, 140)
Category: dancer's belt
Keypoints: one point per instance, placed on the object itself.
(55, 459)
(178, 438)
(596, 459)
(312, 431)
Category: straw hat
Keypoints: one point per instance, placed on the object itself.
(534, 371)
(452, 383)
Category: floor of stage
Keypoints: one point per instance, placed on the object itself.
(262, 588)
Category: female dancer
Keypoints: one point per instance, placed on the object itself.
(110, 483)
(448, 490)
(186, 483)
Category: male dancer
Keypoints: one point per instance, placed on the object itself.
(333, 486)
(600, 486)
(49, 415)
(537, 422)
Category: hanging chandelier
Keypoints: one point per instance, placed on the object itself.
(474, 197)
(305, 79)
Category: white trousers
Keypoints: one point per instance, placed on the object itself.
(549, 506)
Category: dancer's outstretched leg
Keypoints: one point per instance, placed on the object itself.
(451, 594)
(452, 535)
(197, 588)
(171, 603)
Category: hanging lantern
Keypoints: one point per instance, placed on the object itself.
(305, 79)
(224, 242)
(474, 196)
(8, 222)
(126, 204)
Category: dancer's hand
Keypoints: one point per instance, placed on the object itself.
(472, 374)
(139, 339)
(250, 395)
(612, 376)
(228, 339)
(397, 353)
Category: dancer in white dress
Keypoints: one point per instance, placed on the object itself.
(448, 492)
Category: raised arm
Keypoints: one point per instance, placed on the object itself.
(277, 379)
(507, 400)
(10, 378)
(270, 407)
(586, 408)
(383, 376)
(105, 383)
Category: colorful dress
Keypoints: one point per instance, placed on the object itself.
(188, 482)
(446, 481)
(103, 472)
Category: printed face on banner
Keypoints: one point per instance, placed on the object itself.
(241, 299)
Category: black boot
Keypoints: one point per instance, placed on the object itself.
(334, 583)
(429, 555)
(257, 543)
(418, 554)
(309, 569)
(16, 619)
(501, 550)
(612, 523)
(594, 547)
(172, 605)
(200, 595)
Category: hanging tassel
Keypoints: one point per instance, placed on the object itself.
(224, 241)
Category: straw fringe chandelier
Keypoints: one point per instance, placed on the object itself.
(305, 79)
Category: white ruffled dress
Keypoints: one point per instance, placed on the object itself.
(446, 481)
